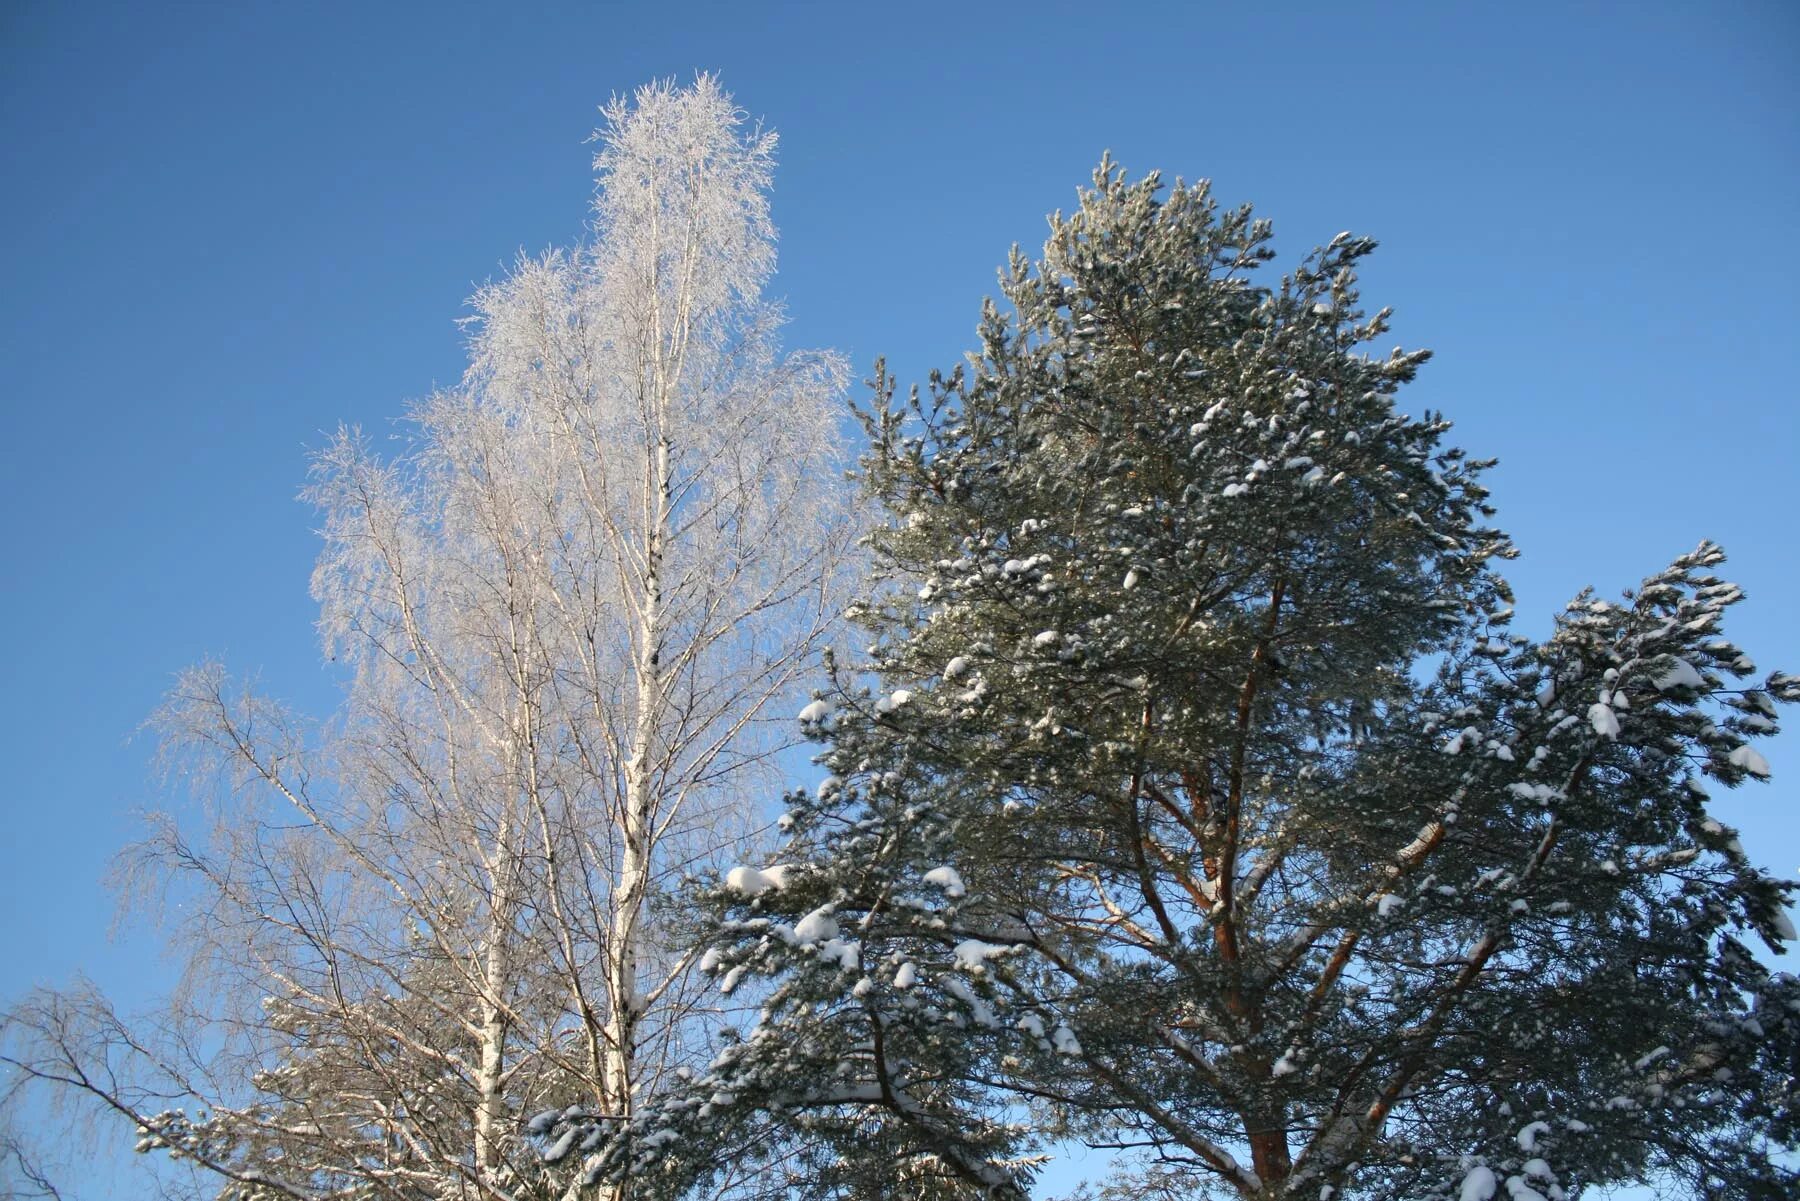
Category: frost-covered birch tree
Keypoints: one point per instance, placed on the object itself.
(567, 605)
(1206, 808)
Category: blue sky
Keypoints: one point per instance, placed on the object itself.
(228, 228)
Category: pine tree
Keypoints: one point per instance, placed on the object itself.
(1196, 799)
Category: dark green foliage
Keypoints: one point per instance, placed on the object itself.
(1275, 854)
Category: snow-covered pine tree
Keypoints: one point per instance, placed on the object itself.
(1205, 807)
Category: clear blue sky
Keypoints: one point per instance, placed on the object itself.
(227, 228)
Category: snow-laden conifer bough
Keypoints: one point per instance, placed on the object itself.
(1170, 850)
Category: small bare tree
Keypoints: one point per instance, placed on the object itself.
(568, 606)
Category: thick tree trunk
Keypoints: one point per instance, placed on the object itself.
(1270, 1158)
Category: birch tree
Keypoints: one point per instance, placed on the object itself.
(567, 606)
(1205, 806)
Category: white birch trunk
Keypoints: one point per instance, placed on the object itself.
(637, 820)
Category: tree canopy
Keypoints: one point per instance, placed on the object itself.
(1193, 796)
(565, 608)
(1195, 799)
